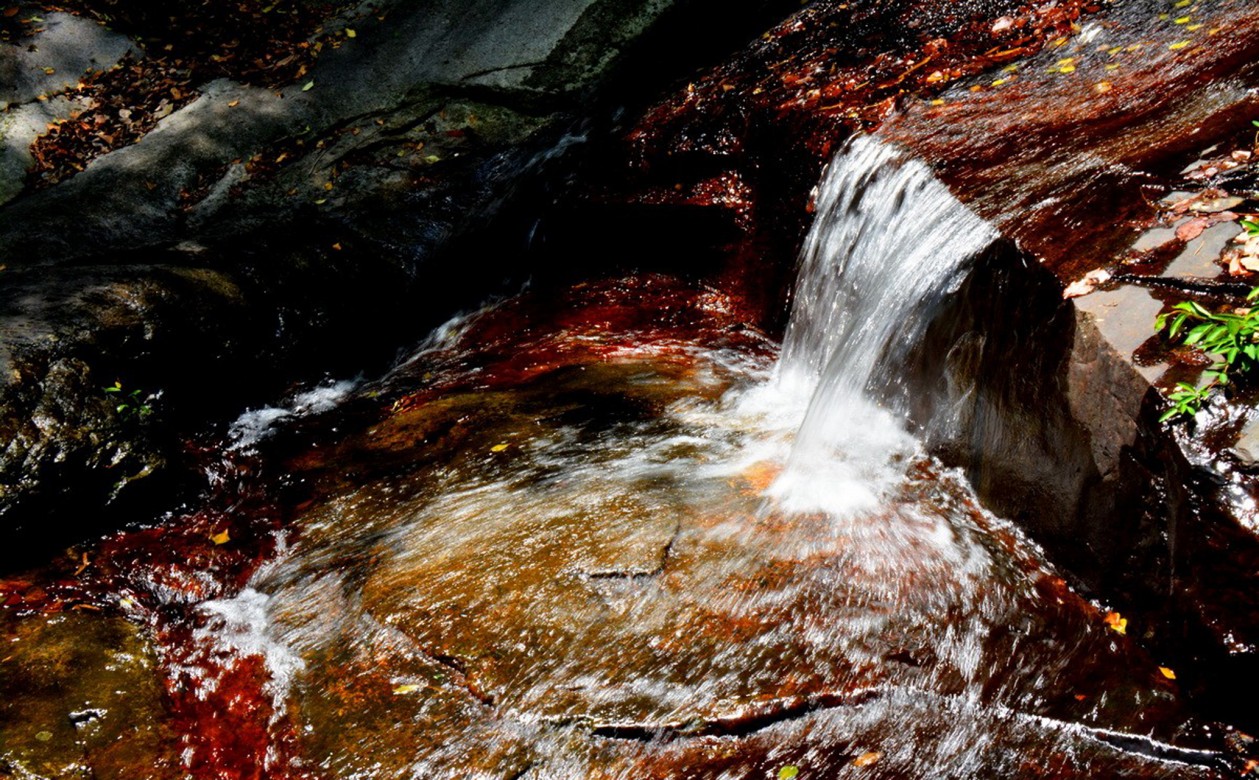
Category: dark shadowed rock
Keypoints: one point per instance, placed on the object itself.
(256, 234)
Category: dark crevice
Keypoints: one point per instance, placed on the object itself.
(501, 69)
(523, 771)
(625, 574)
(755, 717)
(1187, 284)
(1136, 744)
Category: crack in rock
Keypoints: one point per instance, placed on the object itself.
(753, 717)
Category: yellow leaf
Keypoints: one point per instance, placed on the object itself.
(399, 690)
(349, 32)
(1178, 45)
(221, 538)
(1168, 673)
(1117, 622)
(233, 104)
(498, 448)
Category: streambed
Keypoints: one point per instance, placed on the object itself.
(577, 535)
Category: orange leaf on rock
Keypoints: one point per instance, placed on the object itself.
(866, 759)
(1117, 622)
(1192, 229)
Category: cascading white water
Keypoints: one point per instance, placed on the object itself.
(547, 579)
(888, 244)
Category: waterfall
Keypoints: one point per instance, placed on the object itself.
(889, 243)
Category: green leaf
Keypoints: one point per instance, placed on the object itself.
(788, 772)
(308, 86)
(1253, 294)
(1178, 323)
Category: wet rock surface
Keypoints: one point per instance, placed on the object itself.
(1079, 188)
(568, 576)
(411, 611)
(1068, 147)
(238, 243)
(79, 698)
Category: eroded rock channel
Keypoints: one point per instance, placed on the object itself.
(641, 519)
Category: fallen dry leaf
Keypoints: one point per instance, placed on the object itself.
(221, 538)
(866, 759)
(1117, 622)
(1217, 204)
(1086, 284)
(1192, 229)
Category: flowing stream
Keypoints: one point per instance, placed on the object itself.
(611, 535)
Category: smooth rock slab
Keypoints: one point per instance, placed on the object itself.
(79, 697)
(563, 579)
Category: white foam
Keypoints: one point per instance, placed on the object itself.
(257, 424)
(241, 627)
(888, 245)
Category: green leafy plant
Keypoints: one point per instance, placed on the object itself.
(1186, 400)
(1232, 337)
(130, 403)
